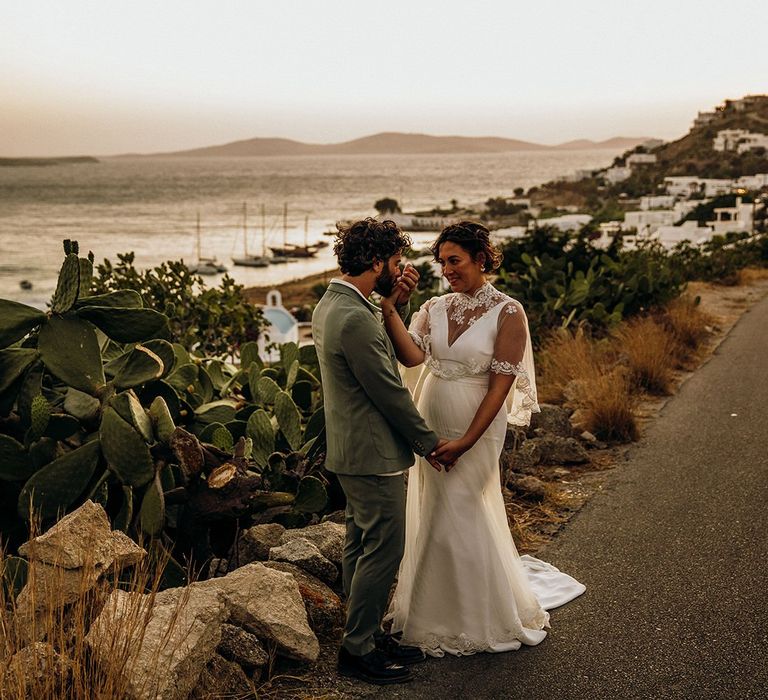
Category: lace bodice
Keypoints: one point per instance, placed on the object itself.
(466, 335)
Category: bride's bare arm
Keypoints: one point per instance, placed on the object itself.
(408, 353)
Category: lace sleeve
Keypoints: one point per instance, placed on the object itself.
(419, 328)
(512, 354)
(511, 339)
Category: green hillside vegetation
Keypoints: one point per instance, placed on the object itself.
(690, 155)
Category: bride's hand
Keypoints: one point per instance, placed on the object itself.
(449, 452)
(406, 283)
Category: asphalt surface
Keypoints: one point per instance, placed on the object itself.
(674, 554)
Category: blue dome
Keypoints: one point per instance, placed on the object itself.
(279, 318)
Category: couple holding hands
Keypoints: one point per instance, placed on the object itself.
(461, 585)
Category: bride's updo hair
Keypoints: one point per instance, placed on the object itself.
(472, 237)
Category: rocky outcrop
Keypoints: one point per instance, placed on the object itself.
(307, 556)
(324, 608)
(268, 604)
(161, 646)
(327, 536)
(222, 679)
(529, 487)
(66, 562)
(35, 666)
(169, 644)
(554, 420)
(242, 648)
(84, 538)
(255, 542)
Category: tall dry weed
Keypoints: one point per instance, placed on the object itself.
(567, 357)
(651, 353)
(59, 614)
(581, 373)
(686, 321)
(606, 406)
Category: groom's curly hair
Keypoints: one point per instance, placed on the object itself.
(472, 237)
(360, 244)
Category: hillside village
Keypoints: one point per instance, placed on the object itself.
(712, 181)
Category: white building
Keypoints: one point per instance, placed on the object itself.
(640, 159)
(713, 187)
(687, 185)
(736, 218)
(739, 140)
(670, 236)
(566, 222)
(682, 185)
(661, 201)
(282, 328)
(753, 182)
(704, 118)
(751, 141)
(646, 222)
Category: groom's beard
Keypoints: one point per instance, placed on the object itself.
(385, 283)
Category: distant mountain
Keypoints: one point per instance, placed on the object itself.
(617, 143)
(389, 143)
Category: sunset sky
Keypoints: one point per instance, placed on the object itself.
(111, 76)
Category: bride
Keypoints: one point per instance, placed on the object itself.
(462, 587)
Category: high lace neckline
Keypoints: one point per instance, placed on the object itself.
(483, 287)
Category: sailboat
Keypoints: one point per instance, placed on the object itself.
(249, 260)
(205, 266)
(290, 250)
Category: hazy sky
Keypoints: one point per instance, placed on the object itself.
(110, 76)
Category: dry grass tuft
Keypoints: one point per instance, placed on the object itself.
(691, 326)
(651, 352)
(607, 405)
(565, 358)
(749, 275)
(66, 667)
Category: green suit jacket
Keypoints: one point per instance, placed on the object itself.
(372, 426)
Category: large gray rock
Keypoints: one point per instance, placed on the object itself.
(243, 648)
(558, 450)
(34, 668)
(268, 604)
(255, 542)
(324, 608)
(222, 679)
(66, 562)
(161, 647)
(555, 420)
(307, 556)
(529, 487)
(327, 536)
(83, 538)
(528, 455)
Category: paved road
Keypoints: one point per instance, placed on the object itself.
(674, 554)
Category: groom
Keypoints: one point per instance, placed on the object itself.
(372, 429)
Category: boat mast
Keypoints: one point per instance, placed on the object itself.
(245, 230)
(306, 230)
(198, 235)
(285, 225)
(263, 231)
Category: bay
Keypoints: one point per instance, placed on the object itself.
(149, 206)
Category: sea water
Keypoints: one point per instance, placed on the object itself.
(150, 206)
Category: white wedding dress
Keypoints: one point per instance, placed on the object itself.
(462, 587)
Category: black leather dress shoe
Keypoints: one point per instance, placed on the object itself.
(399, 653)
(373, 667)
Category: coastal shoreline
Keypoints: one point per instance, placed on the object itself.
(295, 292)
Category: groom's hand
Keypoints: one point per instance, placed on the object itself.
(431, 456)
